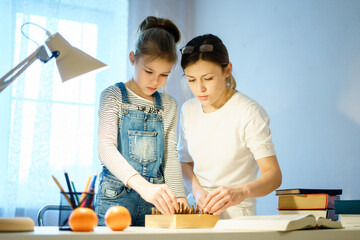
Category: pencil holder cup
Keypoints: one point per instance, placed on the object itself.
(70, 201)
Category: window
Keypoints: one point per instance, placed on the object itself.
(52, 126)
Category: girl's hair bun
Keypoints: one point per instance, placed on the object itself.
(161, 23)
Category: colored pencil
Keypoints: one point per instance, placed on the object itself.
(85, 190)
(87, 194)
(93, 182)
(70, 190)
(88, 203)
(75, 193)
(62, 190)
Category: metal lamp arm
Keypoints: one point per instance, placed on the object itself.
(40, 53)
(19, 68)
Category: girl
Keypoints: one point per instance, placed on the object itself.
(224, 137)
(137, 131)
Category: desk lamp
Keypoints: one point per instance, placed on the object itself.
(71, 61)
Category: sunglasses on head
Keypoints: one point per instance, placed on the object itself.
(202, 48)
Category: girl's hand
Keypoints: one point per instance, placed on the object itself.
(200, 196)
(222, 198)
(161, 196)
(183, 200)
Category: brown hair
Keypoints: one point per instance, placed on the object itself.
(218, 55)
(158, 38)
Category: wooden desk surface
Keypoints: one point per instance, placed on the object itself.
(132, 233)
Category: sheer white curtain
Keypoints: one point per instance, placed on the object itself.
(47, 127)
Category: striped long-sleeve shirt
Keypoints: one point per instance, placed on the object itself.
(109, 113)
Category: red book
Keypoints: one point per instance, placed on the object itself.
(307, 201)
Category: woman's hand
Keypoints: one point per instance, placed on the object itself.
(160, 195)
(200, 196)
(222, 198)
(192, 184)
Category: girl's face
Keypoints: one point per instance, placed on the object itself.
(149, 76)
(207, 82)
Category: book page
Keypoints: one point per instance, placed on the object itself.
(268, 222)
(327, 223)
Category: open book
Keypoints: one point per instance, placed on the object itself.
(277, 223)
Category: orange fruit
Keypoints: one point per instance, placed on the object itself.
(117, 218)
(83, 219)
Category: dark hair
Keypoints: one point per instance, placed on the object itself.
(218, 55)
(158, 38)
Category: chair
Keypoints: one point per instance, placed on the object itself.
(41, 213)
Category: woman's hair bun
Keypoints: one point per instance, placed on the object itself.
(162, 23)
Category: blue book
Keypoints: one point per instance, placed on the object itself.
(347, 206)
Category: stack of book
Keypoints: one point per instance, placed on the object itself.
(318, 202)
(349, 212)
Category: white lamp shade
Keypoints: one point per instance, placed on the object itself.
(72, 62)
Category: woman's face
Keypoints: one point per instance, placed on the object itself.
(149, 76)
(207, 82)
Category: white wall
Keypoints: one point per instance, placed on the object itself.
(301, 61)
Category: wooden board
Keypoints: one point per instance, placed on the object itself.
(181, 221)
(17, 224)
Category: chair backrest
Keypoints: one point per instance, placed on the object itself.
(41, 213)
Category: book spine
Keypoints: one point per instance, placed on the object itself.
(294, 191)
(347, 206)
(331, 201)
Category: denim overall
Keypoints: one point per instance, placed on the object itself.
(141, 143)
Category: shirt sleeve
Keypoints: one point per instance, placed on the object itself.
(109, 155)
(172, 172)
(183, 151)
(257, 132)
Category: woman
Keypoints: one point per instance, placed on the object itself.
(137, 131)
(224, 135)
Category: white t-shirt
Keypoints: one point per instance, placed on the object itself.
(225, 144)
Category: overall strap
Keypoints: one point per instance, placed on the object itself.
(124, 94)
(157, 98)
